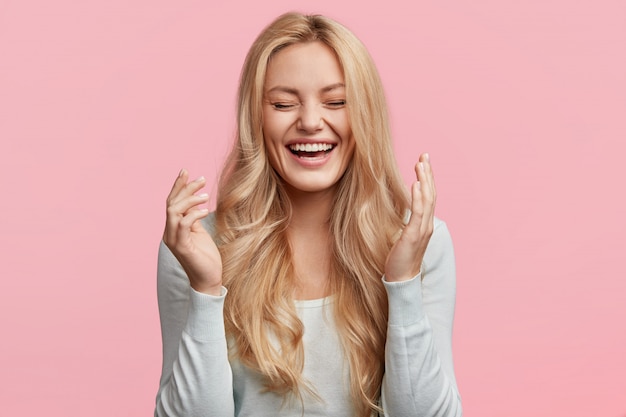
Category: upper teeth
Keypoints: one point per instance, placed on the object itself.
(310, 147)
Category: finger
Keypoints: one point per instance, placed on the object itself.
(179, 183)
(175, 225)
(182, 206)
(191, 188)
(417, 202)
(417, 210)
(423, 170)
(188, 221)
(424, 173)
(424, 178)
(180, 203)
(430, 177)
(177, 211)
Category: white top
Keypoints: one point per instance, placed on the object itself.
(199, 380)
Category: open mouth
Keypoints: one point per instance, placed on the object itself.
(311, 150)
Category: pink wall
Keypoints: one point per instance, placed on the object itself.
(521, 104)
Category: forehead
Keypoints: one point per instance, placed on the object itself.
(303, 66)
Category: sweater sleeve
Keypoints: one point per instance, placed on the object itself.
(196, 378)
(419, 376)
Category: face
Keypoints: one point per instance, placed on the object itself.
(305, 119)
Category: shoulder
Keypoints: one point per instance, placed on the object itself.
(439, 267)
(440, 245)
(209, 223)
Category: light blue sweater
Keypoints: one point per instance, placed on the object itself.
(198, 379)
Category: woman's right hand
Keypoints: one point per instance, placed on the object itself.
(190, 243)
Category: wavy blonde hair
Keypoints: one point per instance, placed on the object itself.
(253, 211)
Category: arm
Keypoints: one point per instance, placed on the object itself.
(419, 373)
(196, 378)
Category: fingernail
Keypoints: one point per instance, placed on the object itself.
(200, 179)
(422, 166)
(180, 174)
(426, 156)
(204, 195)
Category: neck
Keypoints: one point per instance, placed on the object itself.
(311, 211)
(309, 238)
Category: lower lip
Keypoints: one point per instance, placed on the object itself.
(312, 162)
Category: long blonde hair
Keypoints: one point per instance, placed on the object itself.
(253, 212)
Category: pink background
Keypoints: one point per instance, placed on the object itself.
(521, 104)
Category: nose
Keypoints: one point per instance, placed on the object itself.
(310, 118)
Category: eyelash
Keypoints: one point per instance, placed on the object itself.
(336, 103)
(282, 106)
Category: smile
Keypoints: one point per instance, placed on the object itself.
(310, 150)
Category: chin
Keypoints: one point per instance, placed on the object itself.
(318, 186)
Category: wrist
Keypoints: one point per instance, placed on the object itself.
(215, 290)
(405, 276)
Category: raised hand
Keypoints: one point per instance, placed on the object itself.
(405, 258)
(188, 240)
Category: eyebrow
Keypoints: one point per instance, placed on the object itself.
(294, 91)
(333, 87)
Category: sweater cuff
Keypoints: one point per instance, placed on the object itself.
(405, 301)
(206, 316)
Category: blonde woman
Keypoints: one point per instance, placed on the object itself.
(317, 287)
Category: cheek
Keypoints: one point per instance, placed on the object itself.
(272, 148)
(350, 154)
(273, 127)
(347, 136)
(343, 123)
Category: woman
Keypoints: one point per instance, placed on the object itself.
(307, 292)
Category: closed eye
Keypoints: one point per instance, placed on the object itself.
(336, 103)
(282, 106)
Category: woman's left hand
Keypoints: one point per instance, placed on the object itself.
(405, 258)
